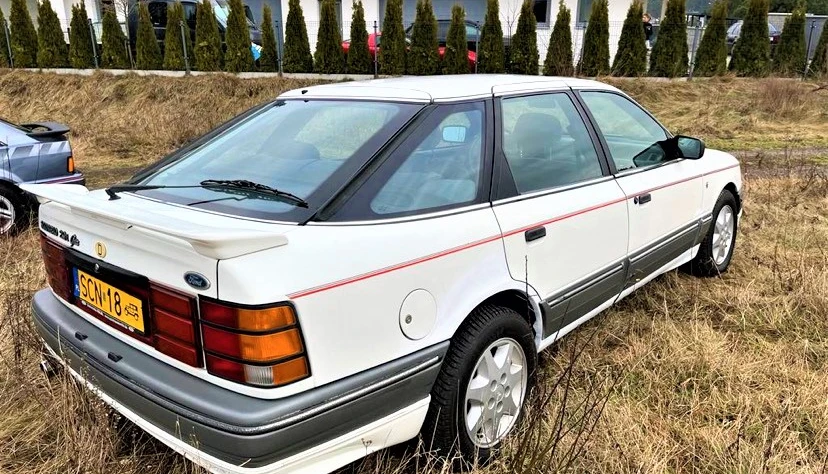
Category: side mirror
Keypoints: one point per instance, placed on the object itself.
(689, 147)
(454, 134)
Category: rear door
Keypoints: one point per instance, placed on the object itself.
(562, 216)
(664, 197)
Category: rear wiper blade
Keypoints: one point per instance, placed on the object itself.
(255, 187)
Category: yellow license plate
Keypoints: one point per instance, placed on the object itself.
(109, 301)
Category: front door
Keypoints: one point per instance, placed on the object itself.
(664, 196)
(562, 217)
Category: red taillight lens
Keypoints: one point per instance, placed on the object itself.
(56, 270)
(259, 346)
(173, 316)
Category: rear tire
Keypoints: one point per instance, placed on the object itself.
(483, 384)
(716, 250)
(13, 212)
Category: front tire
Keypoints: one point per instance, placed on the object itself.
(483, 384)
(13, 213)
(716, 250)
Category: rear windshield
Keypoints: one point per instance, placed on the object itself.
(306, 148)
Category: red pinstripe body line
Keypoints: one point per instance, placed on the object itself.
(409, 263)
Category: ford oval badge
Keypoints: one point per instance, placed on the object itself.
(197, 280)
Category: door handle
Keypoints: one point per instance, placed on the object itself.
(535, 234)
(643, 198)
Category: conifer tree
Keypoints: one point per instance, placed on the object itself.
(669, 55)
(595, 56)
(80, 39)
(456, 57)
(711, 58)
(23, 35)
(113, 43)
(525, 58)
(392, 50)
(147, 50)
(208, 53)
(790, 55)
(4, 43)
(424, 58)
(359, 57)
(238, 57)
(297, 48)
(559, 54)
(329, 58)
(751, 53)
(269, 61)
(631, 57)
(491, 54)
(819, 63)
(51, 47)
(173, 47)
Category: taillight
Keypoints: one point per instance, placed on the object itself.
(56, 269)
(254, 345)
(173, 316)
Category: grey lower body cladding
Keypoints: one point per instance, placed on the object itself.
(233, 427)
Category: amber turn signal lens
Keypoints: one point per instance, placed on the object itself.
(70, 164)
(244, 319)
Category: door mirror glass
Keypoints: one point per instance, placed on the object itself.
(690, 148)
(454, 134)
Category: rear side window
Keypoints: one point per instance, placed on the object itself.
(632, 135)
(546, 142)
(438, 167)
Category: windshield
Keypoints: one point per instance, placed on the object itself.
(306, 148)
(222, 10)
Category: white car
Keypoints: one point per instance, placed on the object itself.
(353, 264)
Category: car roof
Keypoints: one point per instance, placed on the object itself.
(441, 88)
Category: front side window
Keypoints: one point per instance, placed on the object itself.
(438, 167)
(546, 143)
(306, 148)
(632, 135)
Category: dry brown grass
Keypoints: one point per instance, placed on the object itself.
(719, 375)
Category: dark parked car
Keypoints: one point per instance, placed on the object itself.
(158, 16)
(31, 153)
(735, 31)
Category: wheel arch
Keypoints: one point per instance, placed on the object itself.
(519, 301)
(731, 186)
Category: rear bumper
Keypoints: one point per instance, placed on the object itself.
(315, 430)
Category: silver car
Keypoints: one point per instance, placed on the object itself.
(31, 153)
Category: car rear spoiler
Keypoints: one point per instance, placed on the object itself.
(213, 241)
(45, 129)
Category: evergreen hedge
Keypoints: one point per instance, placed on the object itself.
(269, 60)
(329, 58)
(790, 55)
(524, 48)
(4, 43)
(751, 53)
(238, 57)
(669, 54)
(595, 57)
(23, 35)
(819, 64)
(113, 43)
(558, 60)
(173, 48)
(51, 47)
(297, 48)
(423, 57)
(80, 39)
(491, 54)
(392, 50)
(456, 57)
(147, 50)
(711, 58)
(360, 60)
(208, 53)
(631, 57)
